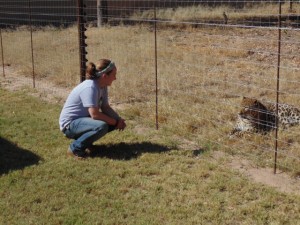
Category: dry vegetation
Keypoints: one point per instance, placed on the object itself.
(186, 172)
(55, 53)
(201, 12)
(202, 73)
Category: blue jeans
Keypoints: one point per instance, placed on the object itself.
(86, 131)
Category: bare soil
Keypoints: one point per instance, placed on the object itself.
(39, 87)
(281, 181)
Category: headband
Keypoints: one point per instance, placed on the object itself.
(107, 69)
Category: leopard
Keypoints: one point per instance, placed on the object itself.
(258, 117)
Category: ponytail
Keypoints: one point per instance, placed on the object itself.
(90, 73)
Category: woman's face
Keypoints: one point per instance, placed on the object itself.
(111, 76)
(107, 79)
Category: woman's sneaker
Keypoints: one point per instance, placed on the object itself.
(75, 155)
(92, 150)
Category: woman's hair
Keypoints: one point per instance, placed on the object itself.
(91, 70)
(105, 65)
(102, 64)
(90, 73)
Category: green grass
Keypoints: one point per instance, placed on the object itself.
(139, 177)
(145, 176)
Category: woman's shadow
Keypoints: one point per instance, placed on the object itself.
(126, 151)
(12, 157)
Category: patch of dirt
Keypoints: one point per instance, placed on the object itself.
(43, 89)
(141, 129)
(280, 181)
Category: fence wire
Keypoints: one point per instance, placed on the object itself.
(185, 64)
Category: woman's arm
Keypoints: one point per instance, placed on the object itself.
(97, 115)
(106, 109)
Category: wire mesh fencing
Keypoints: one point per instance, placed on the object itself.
(185, 65)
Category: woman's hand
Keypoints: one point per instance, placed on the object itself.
(121, 124)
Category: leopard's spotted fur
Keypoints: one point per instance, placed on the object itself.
(256, 117)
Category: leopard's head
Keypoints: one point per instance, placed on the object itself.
(253, 110)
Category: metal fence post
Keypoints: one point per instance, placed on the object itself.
(291, 6)
(102, 12)
(156, 78)
(277, 88)
(2, 53)
(81, 35)
(31, 44)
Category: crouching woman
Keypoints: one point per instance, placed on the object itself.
(86, 115)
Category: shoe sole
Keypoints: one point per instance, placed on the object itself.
(71, 154)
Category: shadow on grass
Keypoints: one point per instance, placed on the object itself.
(127, 151)
(13, 157)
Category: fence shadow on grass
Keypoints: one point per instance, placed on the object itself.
(13, 157)
(127, 151)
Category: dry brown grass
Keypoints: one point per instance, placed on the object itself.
(202, 12)
(55, 53)
(202, 73)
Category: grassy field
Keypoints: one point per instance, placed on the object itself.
(138, 178)
(202, 75)
(143, 175)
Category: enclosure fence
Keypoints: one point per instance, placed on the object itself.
(185, 64)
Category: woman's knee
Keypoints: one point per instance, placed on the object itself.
(102, 127)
